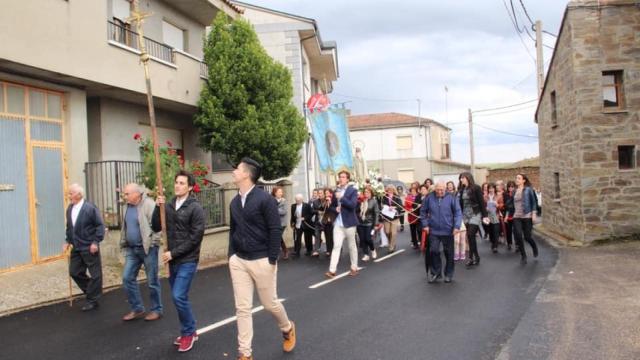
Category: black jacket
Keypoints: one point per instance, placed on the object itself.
(307, 216)
(255, 230)
(185, 229)
(509, 206)
(89, 227)
(371, 214)
(476, 199)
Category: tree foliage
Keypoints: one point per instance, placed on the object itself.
(245, 107)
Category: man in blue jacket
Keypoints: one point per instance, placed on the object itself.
(345, 224)
(254, 244)
(441, 216)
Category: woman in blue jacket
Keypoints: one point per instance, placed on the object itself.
(525, 204)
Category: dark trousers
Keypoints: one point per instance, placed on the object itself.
(79, 263)
(364, 234)
(416, 230)
(297, 239)
(509, 234)
(522, 228)
(328, 236)
(494, 234)
(434, 254)
(486, 229)
(472, 230)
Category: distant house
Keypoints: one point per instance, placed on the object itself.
(588, 121)
(402, 147)
(506, 172)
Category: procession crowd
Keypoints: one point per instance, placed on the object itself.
(438, 216)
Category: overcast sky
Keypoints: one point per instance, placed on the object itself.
(391, 53)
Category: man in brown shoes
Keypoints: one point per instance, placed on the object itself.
(140, 244)
(254, 244)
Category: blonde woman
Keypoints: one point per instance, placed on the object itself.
(392, 203)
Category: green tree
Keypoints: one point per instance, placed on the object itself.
(245, 106)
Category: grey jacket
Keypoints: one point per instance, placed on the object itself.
(282, 211)
(145, 213)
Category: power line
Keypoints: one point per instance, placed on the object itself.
(505, 132)
(518, 31)
(505, 107)
(526, 12)
(509, 111)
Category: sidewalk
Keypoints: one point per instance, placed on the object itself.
(589, 308)
(45, 283)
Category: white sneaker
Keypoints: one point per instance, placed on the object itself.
(365, 258)
(374, 254)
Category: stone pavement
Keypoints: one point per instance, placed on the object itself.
(589, 308)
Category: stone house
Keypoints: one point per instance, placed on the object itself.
(589, 123)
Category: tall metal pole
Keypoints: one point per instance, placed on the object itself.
(473, 162)
(539, 57)
(138, 17)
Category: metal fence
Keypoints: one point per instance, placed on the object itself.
(129, 38)
(212, 201)
(105, 180)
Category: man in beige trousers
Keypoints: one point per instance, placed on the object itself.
(254, 245)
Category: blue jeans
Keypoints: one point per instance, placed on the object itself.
(134, 259)
(434, 252)
(180, 281)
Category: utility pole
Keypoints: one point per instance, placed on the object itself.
(138, 18)
(473, 162)
(539, 57)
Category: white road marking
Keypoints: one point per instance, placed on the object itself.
(228, 320)
(322, 283)
(388, 256)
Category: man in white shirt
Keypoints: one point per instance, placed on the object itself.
(85, 230)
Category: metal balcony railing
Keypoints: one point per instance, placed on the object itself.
(123, 35)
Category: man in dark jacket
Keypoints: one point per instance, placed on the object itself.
(254, 244)
(185, 229)
(85, 231)
(302, 224)
(441, 216)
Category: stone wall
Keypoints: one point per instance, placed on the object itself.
(597, 200)
(532, 173)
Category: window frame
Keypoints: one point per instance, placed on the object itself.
(618, 87)
(553, 97)
(633, 160)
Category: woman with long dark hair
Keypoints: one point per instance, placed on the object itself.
(525, 204)
(327, 218)
(494, 203)
(367, 220)
(509, 210)
(474, 213)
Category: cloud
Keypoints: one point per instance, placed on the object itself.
(392, 53)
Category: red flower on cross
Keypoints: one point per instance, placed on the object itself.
(137, 136)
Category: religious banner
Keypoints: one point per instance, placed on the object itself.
(331, 137)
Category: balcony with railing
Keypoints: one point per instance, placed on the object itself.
(125, 36)
(122, 35)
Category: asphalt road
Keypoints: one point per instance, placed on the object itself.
(388, 311)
